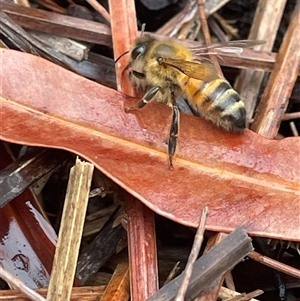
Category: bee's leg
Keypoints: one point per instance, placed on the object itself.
(173, 135)
(147, 97)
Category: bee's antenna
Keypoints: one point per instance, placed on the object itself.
(143, 28)
(121, 56)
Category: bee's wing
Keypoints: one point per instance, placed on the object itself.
(238, 43)
(202, 69)
(230, 47)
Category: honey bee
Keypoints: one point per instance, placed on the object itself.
(166, 69)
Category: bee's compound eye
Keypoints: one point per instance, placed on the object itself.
(137, 51)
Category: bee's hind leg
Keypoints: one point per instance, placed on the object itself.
(173, 135)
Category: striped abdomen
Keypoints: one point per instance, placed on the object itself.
(218, 102)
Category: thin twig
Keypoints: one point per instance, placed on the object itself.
(207, 35)
(52, 6)
(20, 285)
(211, 292)
(289, 116)
(100, 9)
(281, 267)
(193, 256)
(285, 117)
(173, 273)
(294, 129)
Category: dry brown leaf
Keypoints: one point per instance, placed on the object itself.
(241, 178)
